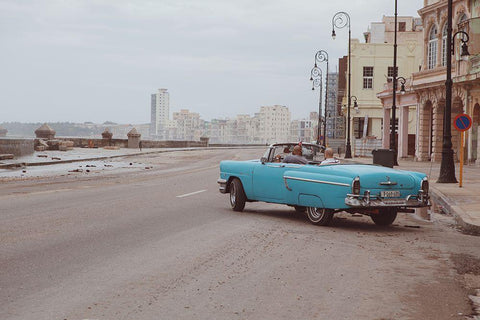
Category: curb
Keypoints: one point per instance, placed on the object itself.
(461, 217)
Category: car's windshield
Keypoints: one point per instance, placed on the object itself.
(310, 152)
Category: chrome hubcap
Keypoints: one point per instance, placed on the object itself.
(232, 194)
(316, 213)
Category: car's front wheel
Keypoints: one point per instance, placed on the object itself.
(385, 217)
(237, 195)
(319, 216)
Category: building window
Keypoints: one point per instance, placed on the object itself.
(367, 77)
(444, 45)
(358, 124)
(432, 48)
(402, 26)
(390, 74)
(462, 22)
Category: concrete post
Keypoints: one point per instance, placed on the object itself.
(45, 132)
(133, 139)
(3, 132)
(386, 129)
(204, 141)
(403, 132)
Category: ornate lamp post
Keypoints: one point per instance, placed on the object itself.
(395, 78)
(322, 56)
(316, 78)
(402, 84)
(341, 20)
(355, 104)
(447, 166)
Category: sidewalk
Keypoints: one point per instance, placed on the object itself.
(463, 203)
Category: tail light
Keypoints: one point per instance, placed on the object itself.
(356, 186)
(425, 185)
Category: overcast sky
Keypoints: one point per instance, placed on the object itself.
(99, 60)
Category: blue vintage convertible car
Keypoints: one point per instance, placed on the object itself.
(323, 190)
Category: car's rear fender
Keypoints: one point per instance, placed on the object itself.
(310, 200)
(323, 190)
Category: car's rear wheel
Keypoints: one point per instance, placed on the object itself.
(237, 195)
(385, 217)
(319, 216)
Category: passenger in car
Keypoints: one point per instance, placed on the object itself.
(329, 159)
(296, 156)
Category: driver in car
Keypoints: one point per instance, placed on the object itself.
(296, 156)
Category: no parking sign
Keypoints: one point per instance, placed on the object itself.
(462, 123)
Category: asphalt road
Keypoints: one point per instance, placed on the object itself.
(162, 243)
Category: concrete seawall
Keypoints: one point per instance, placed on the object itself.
(123, 143)
(17, 147)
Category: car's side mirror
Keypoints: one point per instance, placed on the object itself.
(263, 160)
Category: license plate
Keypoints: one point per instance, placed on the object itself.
(390, 194)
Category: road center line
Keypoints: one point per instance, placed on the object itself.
(191, 193)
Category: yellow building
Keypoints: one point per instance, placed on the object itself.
(372, 67)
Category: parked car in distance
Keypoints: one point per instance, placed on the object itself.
(323, 190)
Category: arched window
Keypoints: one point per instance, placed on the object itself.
(462, 22)
(432, 48)
(444, 45)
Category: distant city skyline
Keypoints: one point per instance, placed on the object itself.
(90, 61)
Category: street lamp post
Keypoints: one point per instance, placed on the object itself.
(447, 166)
(316, 78)
(402, 84)
(341, 20)
(355, 104)
(322, 56)
(393, 145)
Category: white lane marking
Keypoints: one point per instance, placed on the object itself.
(191, 193)
(49, 191)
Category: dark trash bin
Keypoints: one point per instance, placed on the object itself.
(384, 157)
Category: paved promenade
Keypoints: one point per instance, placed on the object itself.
(463, 203)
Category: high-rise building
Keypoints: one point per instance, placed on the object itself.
(332, 104)
(340, 121)
(160, 113)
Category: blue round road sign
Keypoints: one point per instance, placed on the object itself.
(462, 122)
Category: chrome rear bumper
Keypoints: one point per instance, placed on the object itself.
(365, 200)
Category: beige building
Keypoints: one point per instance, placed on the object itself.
(372, 67)
(429, 83)
(189, 126)
(274, 124)
(217, 131)
(303, 130)
(246, 129)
